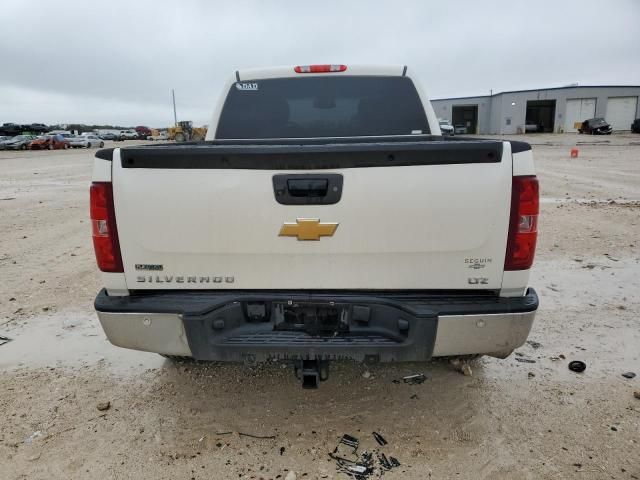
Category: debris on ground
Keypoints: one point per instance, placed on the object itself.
(4, 340)
(534, 344)
(360, 467)
(416, 379)
(103, 406)
(577, 366)
(525, 360)
(466, 370)
(366, 374)
(379, 438)
(291, 476)
(636, 394)
(531, 374)
(629, 375)
(259, 437)
(33, 436)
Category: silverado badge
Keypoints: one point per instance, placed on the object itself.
(308, 229)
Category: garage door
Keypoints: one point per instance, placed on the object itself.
(578, 110)
(621, 112)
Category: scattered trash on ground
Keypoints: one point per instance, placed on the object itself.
(4, 340)
(636, 394)
(524, 360)
(466, 370)
(629, 375)
(379, 438)
(259, 437)
(102, 406)
(361, 466)
(534, 344)
(577, 366)
(33, 436)
(291, 476)
(415, 379)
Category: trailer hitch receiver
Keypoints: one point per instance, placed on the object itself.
(311, 372)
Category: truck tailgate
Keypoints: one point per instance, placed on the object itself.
(429, 215)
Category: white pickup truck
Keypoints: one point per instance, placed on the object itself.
(323, 217)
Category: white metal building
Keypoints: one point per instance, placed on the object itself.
(545, 110)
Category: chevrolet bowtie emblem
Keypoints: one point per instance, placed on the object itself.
(308, 229)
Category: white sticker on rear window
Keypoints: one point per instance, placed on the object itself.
(416, 132)
(247, 86)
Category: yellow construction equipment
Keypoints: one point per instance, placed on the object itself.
(185, 131)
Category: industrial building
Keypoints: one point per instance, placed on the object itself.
(544, 110)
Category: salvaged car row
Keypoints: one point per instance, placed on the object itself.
(51, 141)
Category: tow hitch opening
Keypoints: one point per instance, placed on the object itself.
(311, 372)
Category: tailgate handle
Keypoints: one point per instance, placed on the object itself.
(307, 189)
(303, 187)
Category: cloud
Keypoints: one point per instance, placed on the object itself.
(117, 61)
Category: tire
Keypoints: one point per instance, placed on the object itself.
(180, 137)
(88, 144)
(101, 144)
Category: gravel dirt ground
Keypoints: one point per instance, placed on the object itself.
(525, 417)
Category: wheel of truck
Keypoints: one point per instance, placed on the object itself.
(180, 137)
(178, 358)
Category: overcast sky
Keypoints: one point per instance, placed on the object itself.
(116, 62)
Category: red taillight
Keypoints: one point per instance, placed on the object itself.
(103, 228)
(523, 223)
(320, 68)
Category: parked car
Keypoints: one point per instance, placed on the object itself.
(19, 142)
(10, 129)
(214, 288)
(595, 126)
(460, 129)
(86, 140)
(143, 132)
(446, 128)
(128, 135)
(108, 136)
(161, 137)
(635, 126)
(37, 128)
(49, 142)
